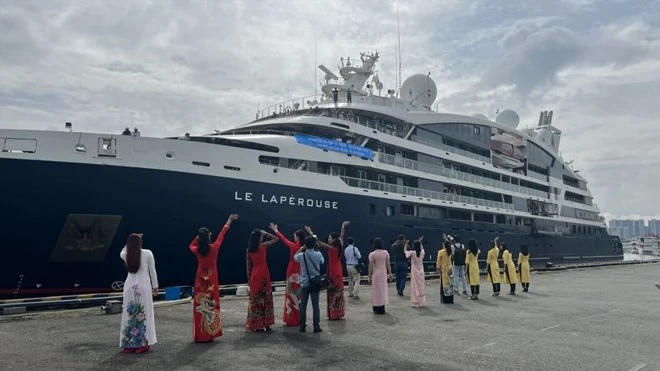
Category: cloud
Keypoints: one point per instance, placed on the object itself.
(169, 68)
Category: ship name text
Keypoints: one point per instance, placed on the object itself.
(286, 200)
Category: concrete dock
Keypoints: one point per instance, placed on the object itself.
(588, 319)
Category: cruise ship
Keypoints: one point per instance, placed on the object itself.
(385, 160)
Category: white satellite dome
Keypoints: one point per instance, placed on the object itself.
(509, 118)
(480, 116)
(419, 89)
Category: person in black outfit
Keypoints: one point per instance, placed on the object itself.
(127, 131)
(458, 258)
(400, 263)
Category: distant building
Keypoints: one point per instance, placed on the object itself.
(628, 229)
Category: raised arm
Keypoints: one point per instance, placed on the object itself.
(221, 235)
(344, 225)
(272, 239)
(323, 244)
(193, 245)
(290, 244)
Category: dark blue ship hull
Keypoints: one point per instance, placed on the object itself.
(63, 225)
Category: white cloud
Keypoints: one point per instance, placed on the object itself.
(170, 67)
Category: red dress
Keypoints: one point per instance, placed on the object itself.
(260, 307)
(207, 323)
(336, 287)
(293, 291)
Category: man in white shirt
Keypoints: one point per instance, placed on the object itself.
(353, 257)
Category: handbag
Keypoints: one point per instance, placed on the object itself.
(318, 283)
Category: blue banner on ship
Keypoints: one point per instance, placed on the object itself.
(335, 146)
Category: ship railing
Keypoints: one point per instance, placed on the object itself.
(424, 193)
(258, 131)
(289, 106)
(355, 62)
(450, 173)
(538, 176)
(451, 149)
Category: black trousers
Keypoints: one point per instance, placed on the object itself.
(474, 289)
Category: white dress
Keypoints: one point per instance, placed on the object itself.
(138, 328)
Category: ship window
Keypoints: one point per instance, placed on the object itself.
(340, 125)
(232, 168)
(269, 160)
(476, 130)
(372, 208)
(201, 163)
(407, 209)
(390, 211)
(18, 145)
(337, 170)
(236, 143)
(107, 147)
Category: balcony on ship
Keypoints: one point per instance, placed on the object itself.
(455, 174)
(422, 193)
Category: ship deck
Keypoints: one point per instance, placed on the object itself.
(601, 318)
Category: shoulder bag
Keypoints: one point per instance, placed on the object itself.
(318, 283)
(359, 266)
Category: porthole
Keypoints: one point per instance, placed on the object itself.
(169, 155)
(276, 170)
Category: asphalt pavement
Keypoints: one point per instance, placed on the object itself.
(586, 319)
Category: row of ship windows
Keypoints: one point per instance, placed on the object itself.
(431, 212)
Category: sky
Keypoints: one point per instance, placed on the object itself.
(170, 67)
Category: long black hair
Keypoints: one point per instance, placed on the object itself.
(524, 250)
(447, 246)
(472, 246)
(504, 247)
(254, 241)
(336, 243)
(133, 253)
(418, 247)
(203, 241)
